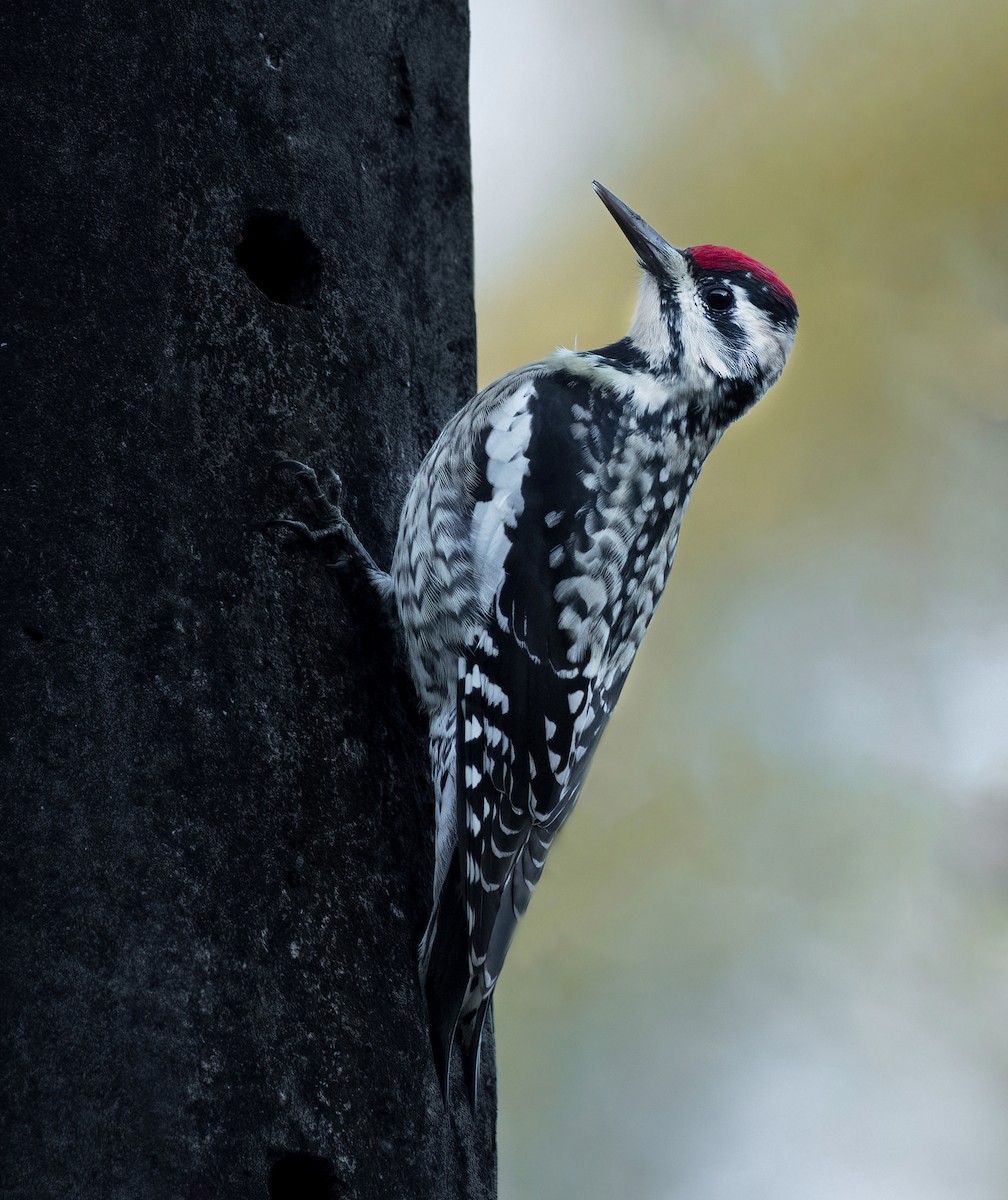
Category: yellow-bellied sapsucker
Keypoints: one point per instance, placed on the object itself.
(533, 547)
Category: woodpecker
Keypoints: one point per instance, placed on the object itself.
(534, 544)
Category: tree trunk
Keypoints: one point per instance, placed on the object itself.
(234, 232)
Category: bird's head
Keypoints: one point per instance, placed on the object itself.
(714, 319)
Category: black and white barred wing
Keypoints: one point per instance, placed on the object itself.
(529, 706)
(515, 789)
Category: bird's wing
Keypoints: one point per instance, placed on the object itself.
(530, 701)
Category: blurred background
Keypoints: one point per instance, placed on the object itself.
(770, 954)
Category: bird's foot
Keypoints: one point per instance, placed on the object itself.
(332, 530)
(329, 529)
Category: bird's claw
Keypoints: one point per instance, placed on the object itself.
(333, 527)
(326, 502)
(303, 531)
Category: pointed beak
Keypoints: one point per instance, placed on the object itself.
(655, 254)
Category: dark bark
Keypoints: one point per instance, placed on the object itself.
(216, 818)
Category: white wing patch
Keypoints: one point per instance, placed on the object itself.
(507, 465)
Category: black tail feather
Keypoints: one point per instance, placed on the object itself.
(471, 1044)
(446, 973)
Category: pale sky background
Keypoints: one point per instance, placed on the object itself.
(769, 956)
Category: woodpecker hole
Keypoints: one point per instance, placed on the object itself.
(280, 258)
(301, 1177)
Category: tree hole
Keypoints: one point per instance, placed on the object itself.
(280, 258)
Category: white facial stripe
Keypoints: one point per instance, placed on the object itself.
(704, 349)
(649, 329)
(765, 348)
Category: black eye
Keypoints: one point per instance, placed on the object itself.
(720, 299)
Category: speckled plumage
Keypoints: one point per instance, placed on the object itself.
(533, 548)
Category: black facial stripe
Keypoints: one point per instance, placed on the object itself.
(726, 325)
(781, 310)
(672, 315)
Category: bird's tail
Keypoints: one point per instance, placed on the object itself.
(470, 1036)
(455, 1009)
